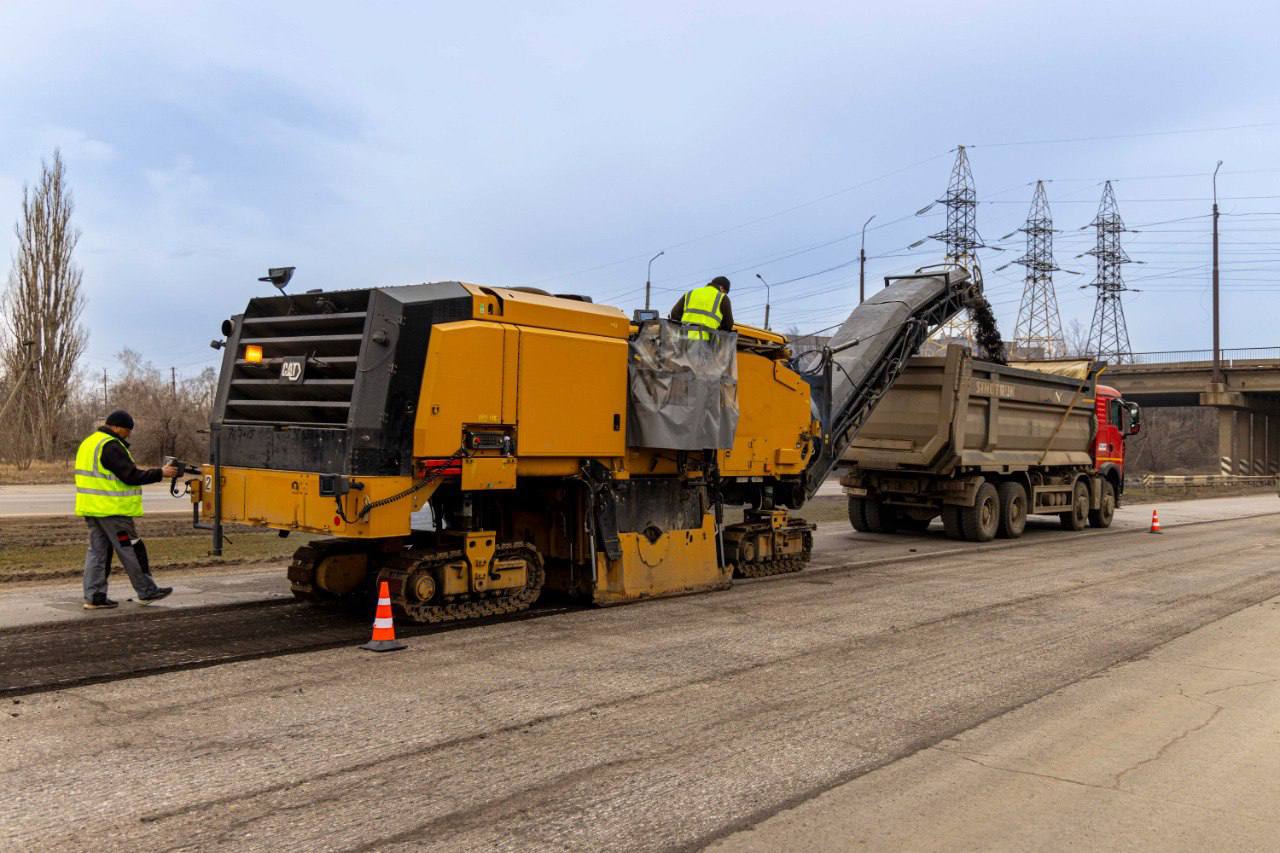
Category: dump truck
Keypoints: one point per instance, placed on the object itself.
(474, 445)
(984, 445)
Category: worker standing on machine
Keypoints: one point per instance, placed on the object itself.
(704, 308)
(109, 498)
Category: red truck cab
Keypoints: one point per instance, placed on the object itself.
(1117, 419)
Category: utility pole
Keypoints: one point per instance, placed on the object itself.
(104, 392)
(649, 275)
(767, 300)
(1038, 333)
(173, 396)
(1217, 341)
(1108, 334)
(961, 240)
(862, 262)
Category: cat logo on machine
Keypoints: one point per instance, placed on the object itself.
(293, 368)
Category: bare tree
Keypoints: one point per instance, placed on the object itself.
(42, 303)
(170, 416)
(1077, 335)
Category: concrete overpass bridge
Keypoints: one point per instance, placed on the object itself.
(1248, 400)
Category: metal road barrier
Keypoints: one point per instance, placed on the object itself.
(1207, 480)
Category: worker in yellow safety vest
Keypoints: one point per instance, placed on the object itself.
(705, 308)
(109, 498)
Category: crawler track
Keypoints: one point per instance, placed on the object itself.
(769, 568)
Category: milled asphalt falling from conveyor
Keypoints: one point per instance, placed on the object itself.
(986, 331)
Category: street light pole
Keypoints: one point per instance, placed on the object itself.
(862, 262)
(767, 299)
(1217, 342)
(648, 275)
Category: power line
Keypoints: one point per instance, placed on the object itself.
(748, 223)
(1072, 139)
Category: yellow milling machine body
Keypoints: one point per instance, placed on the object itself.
(468, 445)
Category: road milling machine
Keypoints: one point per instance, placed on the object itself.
(474, 445)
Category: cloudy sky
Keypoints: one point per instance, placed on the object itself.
(389, 143)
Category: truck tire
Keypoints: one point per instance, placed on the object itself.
(951, 522)
(858, 514)
(1013, 510)
(981, 521)
(1078, 517)
(881, 518)
(1102, 516)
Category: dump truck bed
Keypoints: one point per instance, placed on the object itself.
(951, 413)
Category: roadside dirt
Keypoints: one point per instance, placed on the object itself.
(39, 531)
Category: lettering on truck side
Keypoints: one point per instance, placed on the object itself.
(986, 388)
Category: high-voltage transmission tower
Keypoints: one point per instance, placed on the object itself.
(1108, 334)
(961, 239)
(1039, 330)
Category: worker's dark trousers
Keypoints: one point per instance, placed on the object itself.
(116, 533)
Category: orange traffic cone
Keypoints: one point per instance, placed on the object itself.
(384, 630)
(1155, 521)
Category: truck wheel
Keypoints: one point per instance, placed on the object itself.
(1102, 516)
(1013, 510)
(951, 522)
(981, 520)
(1079, 515)
(858, 514)
(881, 518)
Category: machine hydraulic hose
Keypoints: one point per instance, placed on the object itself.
(430, 475)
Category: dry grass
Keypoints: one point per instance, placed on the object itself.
(36, 548)
(39, 474)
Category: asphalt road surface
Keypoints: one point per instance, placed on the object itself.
(1173, 751)
(668, 724)
(61, 500)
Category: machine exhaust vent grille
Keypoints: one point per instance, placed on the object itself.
(314, 338)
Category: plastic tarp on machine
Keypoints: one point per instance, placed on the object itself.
(684, 393)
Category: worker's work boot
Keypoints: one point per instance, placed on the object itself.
(100, 602)
(161, 592)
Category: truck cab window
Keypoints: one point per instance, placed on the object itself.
(1114, 416)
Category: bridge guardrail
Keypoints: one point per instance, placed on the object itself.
(1194, 356)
